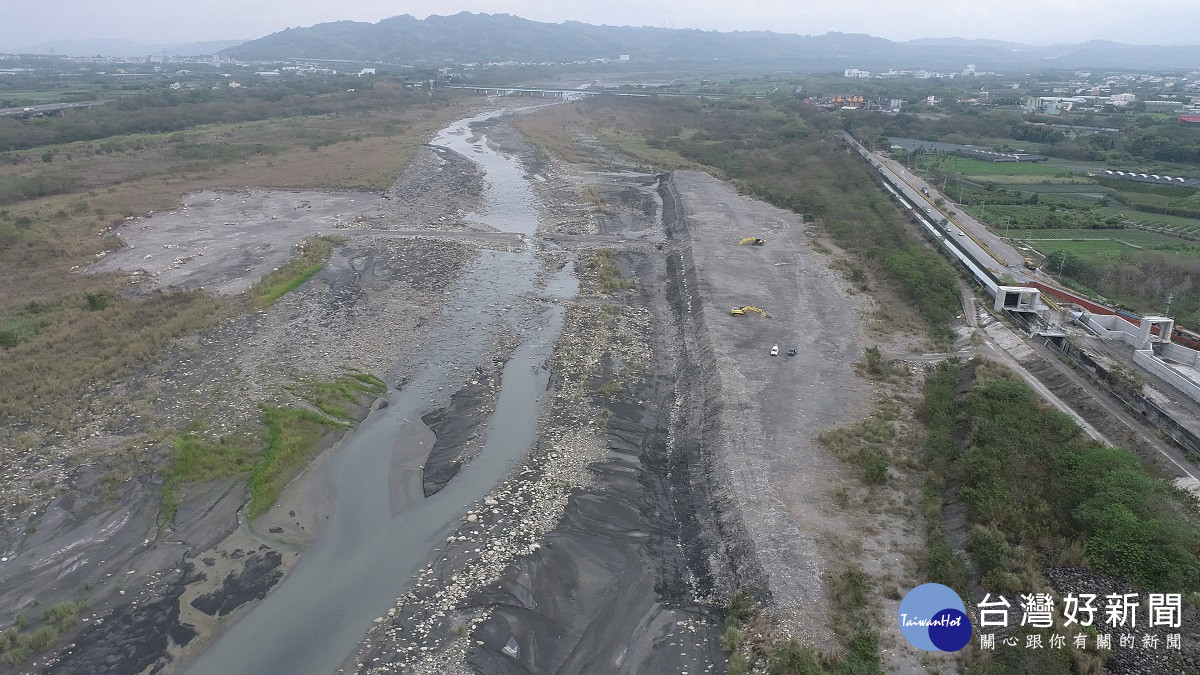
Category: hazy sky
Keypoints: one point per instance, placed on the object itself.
(28, 22)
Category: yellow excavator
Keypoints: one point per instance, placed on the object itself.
(752, 240)
(741, 311)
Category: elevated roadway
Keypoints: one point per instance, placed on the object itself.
(984, 247)
(47, 109)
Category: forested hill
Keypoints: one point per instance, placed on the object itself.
(482, 38)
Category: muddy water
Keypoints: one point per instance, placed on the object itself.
(382, 530)
(509, 202)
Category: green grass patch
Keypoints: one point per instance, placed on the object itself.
(293, 436)
(198, 460)
(332, 396)
(314, 254)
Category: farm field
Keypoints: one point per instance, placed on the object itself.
(1138, 238)
(978, 167)
(1179, 223)
(1081, 247)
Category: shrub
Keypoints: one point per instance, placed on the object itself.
(97, 301)
(793, 659)
(64, 615)
(42, 638)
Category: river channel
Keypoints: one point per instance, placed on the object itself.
(382, 530)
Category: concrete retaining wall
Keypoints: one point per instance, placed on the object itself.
(1143, 405)
(1180, 354)
(1146, 359)
(1109, 326)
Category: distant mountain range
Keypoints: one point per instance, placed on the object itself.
(480, 38)
(106, 47)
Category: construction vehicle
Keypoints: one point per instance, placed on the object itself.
(1030, 263)
(752, 240)
(741, 311)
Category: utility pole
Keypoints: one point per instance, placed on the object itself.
(1062, 262)
(1170, 297)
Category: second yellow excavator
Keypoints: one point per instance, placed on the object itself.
(741, 311)
(752, 240)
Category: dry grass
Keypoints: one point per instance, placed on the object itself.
(59, 344)
(553, 130)
(558, 131)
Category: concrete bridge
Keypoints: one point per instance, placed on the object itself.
(579, 93)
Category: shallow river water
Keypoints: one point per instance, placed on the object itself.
(368, 553)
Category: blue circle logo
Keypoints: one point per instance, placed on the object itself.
(932, 617)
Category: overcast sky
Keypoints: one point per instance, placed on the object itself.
(28, 22)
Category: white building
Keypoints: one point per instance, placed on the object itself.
(856, 73)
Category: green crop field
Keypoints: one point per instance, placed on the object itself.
(978, 167)
(1103, 242)
(1135, 237)
(1099, 247)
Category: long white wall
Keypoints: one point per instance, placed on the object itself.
(1180, 354)
(1111, 327)
(1146, 359)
